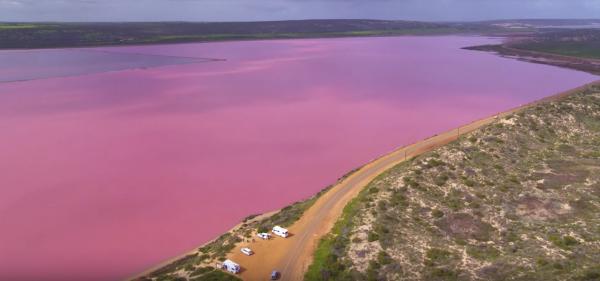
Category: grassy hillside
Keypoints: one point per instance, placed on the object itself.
(577, 43)
(45, 35)
(51, 35)
(516, 200)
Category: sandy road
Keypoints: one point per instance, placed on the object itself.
(292, 256)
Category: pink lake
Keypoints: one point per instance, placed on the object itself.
(137, 155)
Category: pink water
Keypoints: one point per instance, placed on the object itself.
(105, 174)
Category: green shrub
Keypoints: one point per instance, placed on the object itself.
(373, 236)
(514, 179)
(411, 182)
(485, 253)
(373, 271)
(565, 242)
(436, 256)
(444, 274)
(382, 205)
(592, 274)
(250, 217)
(399, 199)
(437, 213)
(441, 180)
(216, 275)
(460, 242)
(383, 258)
(201, 270)
(469, 182)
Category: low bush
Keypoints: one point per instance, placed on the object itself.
(437, 213)
(373, 236)
(565, 242)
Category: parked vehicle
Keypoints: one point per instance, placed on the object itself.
(275, 275)
(247, 251)
(264, 235)
(231, 266)
(280, 231)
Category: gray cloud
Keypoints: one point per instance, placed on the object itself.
(242, 10)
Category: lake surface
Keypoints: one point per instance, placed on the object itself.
(20, 65)
(132, 161)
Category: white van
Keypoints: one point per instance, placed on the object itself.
(231, 266)
(264, 235)
(280, 231)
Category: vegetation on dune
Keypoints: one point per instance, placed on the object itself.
(197, 274)
(517, 200)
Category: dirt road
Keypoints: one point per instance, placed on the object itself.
(291, 256)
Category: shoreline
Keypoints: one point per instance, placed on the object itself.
(83, 47)
(588, 65)
(195, 249)
(299, 259)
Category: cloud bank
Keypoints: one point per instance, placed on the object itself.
(251, 10)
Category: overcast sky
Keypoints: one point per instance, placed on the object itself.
(250, 10)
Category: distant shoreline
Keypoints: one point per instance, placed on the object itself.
(52, 35)
(245, 40)
(27, 36)
(274, 38)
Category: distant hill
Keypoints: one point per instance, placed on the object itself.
(50, 35)
(44, 35)
(58, 35)
(516, 200)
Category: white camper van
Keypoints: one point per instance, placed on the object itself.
(231, 266)
(280, 231)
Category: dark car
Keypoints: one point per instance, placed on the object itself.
(275, 275)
